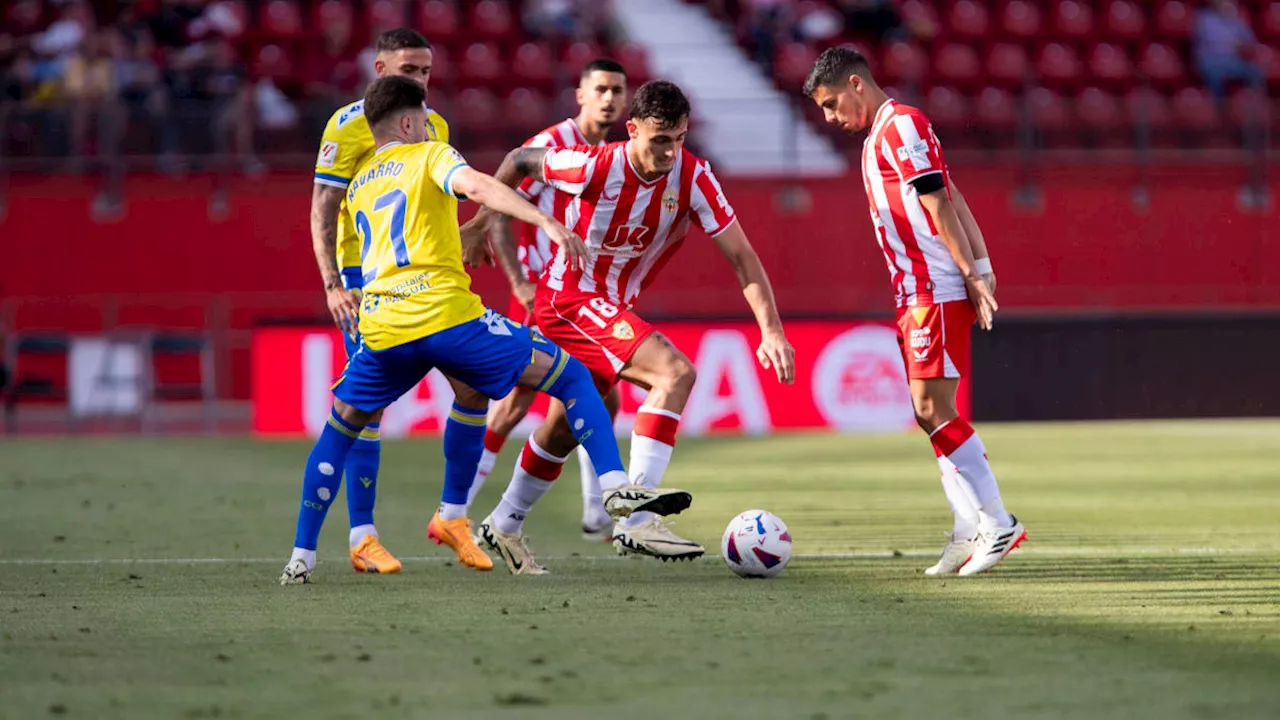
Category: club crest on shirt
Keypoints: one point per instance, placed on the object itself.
(670, 200)
(919, 314)
(622, 331)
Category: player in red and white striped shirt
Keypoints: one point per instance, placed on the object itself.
(941, 274)
(633, 203)
(602, 96)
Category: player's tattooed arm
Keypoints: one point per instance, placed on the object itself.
(326, 202)
(521, 163)
(497, 196)
(774, 351)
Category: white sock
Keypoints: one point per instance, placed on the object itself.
(306, 556)
(360, 532)
(487, 461)
(649, 460)
(635, 518)
(452, 511)
(524, 491)
(613, 480)
(964, 508)
(593, 513)
(970, 459)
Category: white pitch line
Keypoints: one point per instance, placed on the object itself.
(913, 554)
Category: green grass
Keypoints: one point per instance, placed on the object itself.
(1149, 588)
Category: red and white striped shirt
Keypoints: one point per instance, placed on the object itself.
(535, 248)
(631, 227)
(900, 149)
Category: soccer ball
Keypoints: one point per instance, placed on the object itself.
(756, 544)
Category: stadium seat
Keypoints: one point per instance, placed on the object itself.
(1048, 111)
(333, 13)
(273, 61)
(492, 19)
(946, 107)
(1072, 19)
(524, 112)
(1194, 109)
(1007, 63)
(281, 19)
(968, 19)
(904, 61)
(1125, 20)
(1268, 25)
(1268, 58)
(438, 20)
(635, 59)
(1146, 106)
(1173, 19)
(1161, 65)
(1021, 19)
(1059, 64)
(481, 64)
(443, 70)
(1248, 107)
(791, 64)
(1099, 110)
(996, 109)
(532, 65)
(957, 63)
(385, 14)
(477, 111)
(578, 54)
(1110, 64)
(915, 13)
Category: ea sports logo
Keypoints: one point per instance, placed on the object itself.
(859, 382)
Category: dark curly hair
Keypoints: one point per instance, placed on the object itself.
(661, 100)
(389, 95)
(401, 38)
(833, 68)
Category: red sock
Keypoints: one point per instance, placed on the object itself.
(493, 441)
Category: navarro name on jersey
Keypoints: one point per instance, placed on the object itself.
(389, 168)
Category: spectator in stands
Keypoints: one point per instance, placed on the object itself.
(137, 77)
(88, 82)
(873, 18)
(766, 22)
(1223, 47)
(818, 22)
(330, 74)
(223, 87)
(556, 19)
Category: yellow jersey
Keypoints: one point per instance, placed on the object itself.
(347, 144)
(406, 216)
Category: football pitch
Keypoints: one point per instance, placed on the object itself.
(138, 580)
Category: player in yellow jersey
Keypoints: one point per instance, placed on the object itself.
(346, 145)
(418, 313)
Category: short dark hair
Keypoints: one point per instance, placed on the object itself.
(389, 95)
(833, 68)
(603, 64)
(662, 101)
(401, 38)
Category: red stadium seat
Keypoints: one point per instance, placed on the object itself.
(385, 14)
(1098, 110)
(1110, 64)
(1125, 20)
(946, 107)
(443, 70)
(904, 61)
(1021, 19)
(1059, 64)
(492, 19)
(273, 61)
(1073, 19)
(1248, 107)
(1268, 24)
(578, 54)
(634, 59)
(333, 13)
(791, 64)
(915, 13)
(526, 111)
(968, 19)
(1162, 65)
(438, 20)
(481, 64)
(477, 110)
(1268, 58)
(1195, 110)
(281, 19)
(1146, 106)
(1048, 110)
(957, 63)
(533, 63)
(1173, 19)
(1008, 63)
(995, 108)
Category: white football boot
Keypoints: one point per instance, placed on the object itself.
(512, 548)
(295, 573)
(954, 555)
(621, 502)
(992, 545)
(653, 538)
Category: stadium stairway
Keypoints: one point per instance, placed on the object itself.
(745, 124)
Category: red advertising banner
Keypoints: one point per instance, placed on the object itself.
(849, 378)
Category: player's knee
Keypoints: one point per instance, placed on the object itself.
(376, 417)
(679, 375)
(353, 415)
(504, 416)
(556, 438)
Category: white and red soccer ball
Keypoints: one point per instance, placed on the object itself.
(756, 544)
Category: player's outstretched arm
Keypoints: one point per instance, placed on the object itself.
(939, 206)
(326, 203)
(521, 163)
(774, 351)
(498, 197)
(981, 256)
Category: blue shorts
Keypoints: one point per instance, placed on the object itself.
(489, 354)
